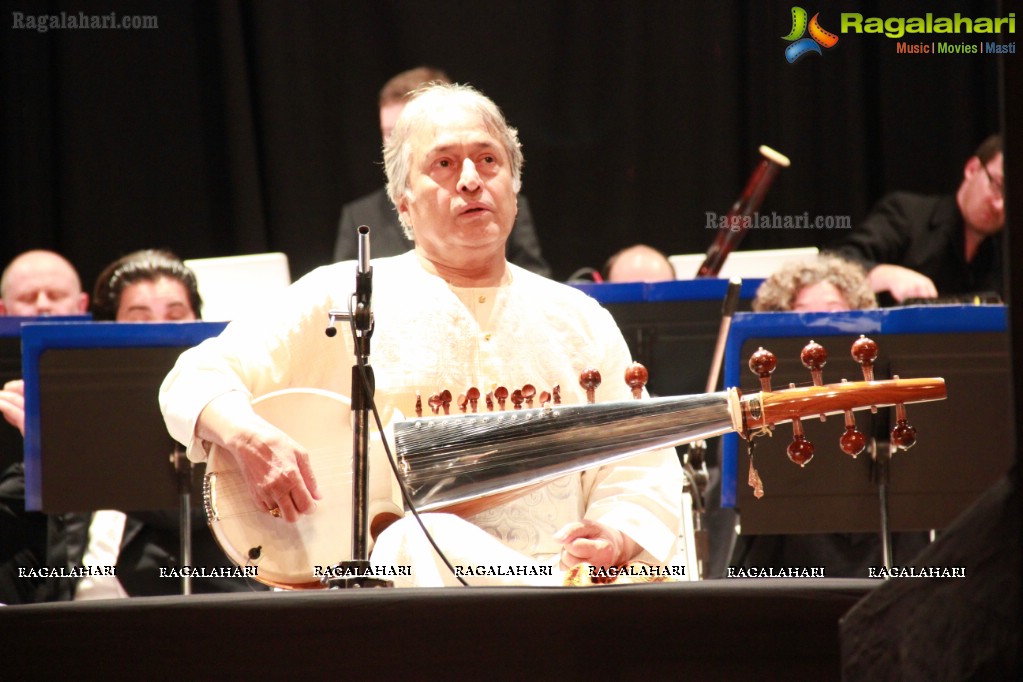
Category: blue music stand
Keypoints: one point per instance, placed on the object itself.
(94, 436)
(964, 442)
(670, 327)
(12, 445)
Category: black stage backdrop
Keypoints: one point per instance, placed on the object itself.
(243, 127)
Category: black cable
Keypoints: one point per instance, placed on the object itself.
(690, 475)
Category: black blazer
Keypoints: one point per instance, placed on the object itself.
(926, 234)
(150, 542)
(22, 539)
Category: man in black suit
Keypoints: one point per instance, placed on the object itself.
(375, 210)
(143, 286)
(916, 246)
(36, 283)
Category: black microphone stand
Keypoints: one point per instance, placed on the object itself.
(183, 473)
(357, 571)
(695, 461)
(881, 451)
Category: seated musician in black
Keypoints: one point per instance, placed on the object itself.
(35, 283)
(145, 286)
(916, 246)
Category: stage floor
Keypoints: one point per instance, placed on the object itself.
(724, 629)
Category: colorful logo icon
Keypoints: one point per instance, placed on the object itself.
(801, 46)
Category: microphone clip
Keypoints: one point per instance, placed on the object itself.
(360, 311)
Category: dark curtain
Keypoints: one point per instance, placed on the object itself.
(240, 127)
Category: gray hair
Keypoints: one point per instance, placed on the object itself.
(779, 291)
(421, 103)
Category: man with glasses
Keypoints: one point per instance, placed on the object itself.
(916, 246)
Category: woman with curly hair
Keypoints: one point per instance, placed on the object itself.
(827, 284)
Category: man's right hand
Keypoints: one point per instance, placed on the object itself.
(276, 468)
(12, 404)
(901, 283)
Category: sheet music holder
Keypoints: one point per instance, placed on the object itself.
(964, 442)
(757, 264)
(665, 321)
(672, 328)
(94, 436)
(12, 445)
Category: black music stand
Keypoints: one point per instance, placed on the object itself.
(12, 445)
(665, 321)
(964, 442)
(94, 436)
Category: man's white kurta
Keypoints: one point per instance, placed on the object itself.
(430, 336)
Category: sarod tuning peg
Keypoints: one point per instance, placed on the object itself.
(529, 392)
(636, 376)
(864, 351)
(445, 400)
(814, 357)
(501, 393)
(762, 363)
(590, 380)
(903, 434)
(852, 440)
(800, 450)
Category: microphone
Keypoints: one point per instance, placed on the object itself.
(362, 317)
(363, 286)
(363, 249)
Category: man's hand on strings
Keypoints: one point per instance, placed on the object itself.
(277, 472)
(276, 468)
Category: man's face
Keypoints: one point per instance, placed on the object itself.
(162, 300)
(42, 284)
(461, 201)
(981, 202)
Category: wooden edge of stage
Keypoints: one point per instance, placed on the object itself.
(720, 629)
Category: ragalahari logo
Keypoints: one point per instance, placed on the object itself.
(801, 46)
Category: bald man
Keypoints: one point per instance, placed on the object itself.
(41, 283)
(639, 263)
(34, 283)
